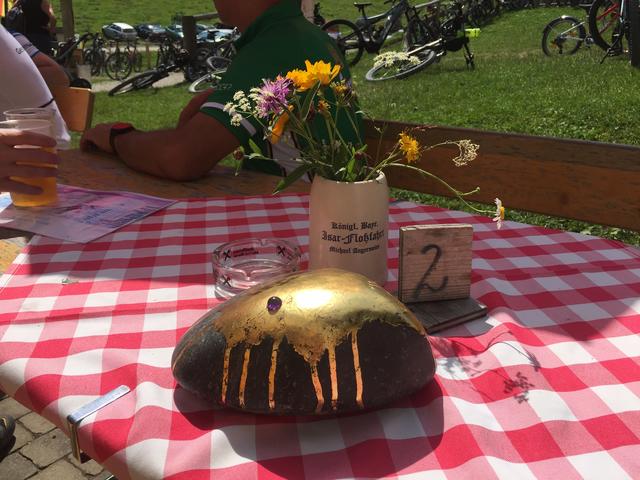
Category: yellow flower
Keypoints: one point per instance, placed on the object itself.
(499, 213)
(323, 107)
(341, 89)
(278, 128)
(409, 146)
(322, 72)
(301, 79)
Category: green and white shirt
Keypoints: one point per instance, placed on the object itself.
(278, 41)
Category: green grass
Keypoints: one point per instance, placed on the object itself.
(514, 87)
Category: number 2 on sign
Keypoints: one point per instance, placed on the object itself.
(423, 281)
(434, 262)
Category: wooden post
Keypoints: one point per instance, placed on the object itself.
(189, 32)
(68, 24)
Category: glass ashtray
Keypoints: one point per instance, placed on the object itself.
(242, 264)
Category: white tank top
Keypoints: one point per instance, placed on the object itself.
(22, 86)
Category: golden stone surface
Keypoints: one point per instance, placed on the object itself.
(319, 309)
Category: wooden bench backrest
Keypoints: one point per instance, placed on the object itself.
(589, 181)
(76, 107)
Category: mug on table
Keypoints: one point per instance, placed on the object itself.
(48, 185)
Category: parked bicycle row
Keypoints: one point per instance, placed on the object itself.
(606, 25)
(419, 34)
(118, 59)
(202, 69)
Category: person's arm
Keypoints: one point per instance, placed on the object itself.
(307, 7)
(185, 153)
(12, 160)
(193, 107)
(48, 9)
(53, 74)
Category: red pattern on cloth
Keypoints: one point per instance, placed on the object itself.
(547, 387)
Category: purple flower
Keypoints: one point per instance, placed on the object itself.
(272, 96)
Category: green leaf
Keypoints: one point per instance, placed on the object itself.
(308, 101)
(254, 147)
(292, 177)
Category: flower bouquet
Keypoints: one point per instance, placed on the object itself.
(318, 114)
(305, 101)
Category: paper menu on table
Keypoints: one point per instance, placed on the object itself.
(81, 215)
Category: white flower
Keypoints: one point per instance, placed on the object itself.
(468, 151)
(254, 94)
(236, 119)
(230, 108)
(388, 59)
(499, 213)
(239, 95)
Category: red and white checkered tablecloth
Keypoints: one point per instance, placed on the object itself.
(547, 387)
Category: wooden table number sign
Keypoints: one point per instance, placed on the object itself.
(434, 274)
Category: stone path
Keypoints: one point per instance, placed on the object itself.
(42, 451)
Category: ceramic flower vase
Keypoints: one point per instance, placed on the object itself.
(348, 226)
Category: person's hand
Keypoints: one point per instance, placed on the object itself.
(193, 107)
(10, 158)
(97, 138)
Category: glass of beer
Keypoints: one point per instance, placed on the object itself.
(28, 114)
(49, 185)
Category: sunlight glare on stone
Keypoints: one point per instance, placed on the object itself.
(308, 299)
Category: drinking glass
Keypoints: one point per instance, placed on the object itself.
(28, 114)
(49, 185)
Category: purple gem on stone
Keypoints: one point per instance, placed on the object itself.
(274, 304)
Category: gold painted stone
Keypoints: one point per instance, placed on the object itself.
(308, 343)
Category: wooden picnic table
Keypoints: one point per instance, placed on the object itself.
(100, 171)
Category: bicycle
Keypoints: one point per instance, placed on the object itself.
(608, 25)
(168, 51)
(63, 52)
(148, 78)
(452, 37)
(216, 67)
(118, 64)
(367, 33)
(64, 58)
(566, 34)
(96, 54)
(135, 57)
(219, 43)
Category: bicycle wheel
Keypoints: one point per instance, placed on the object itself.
(138, 82)
(604, 22)
(218, 66)
(563, 36)
(348, 37)
(118, 66)
(401, 69)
